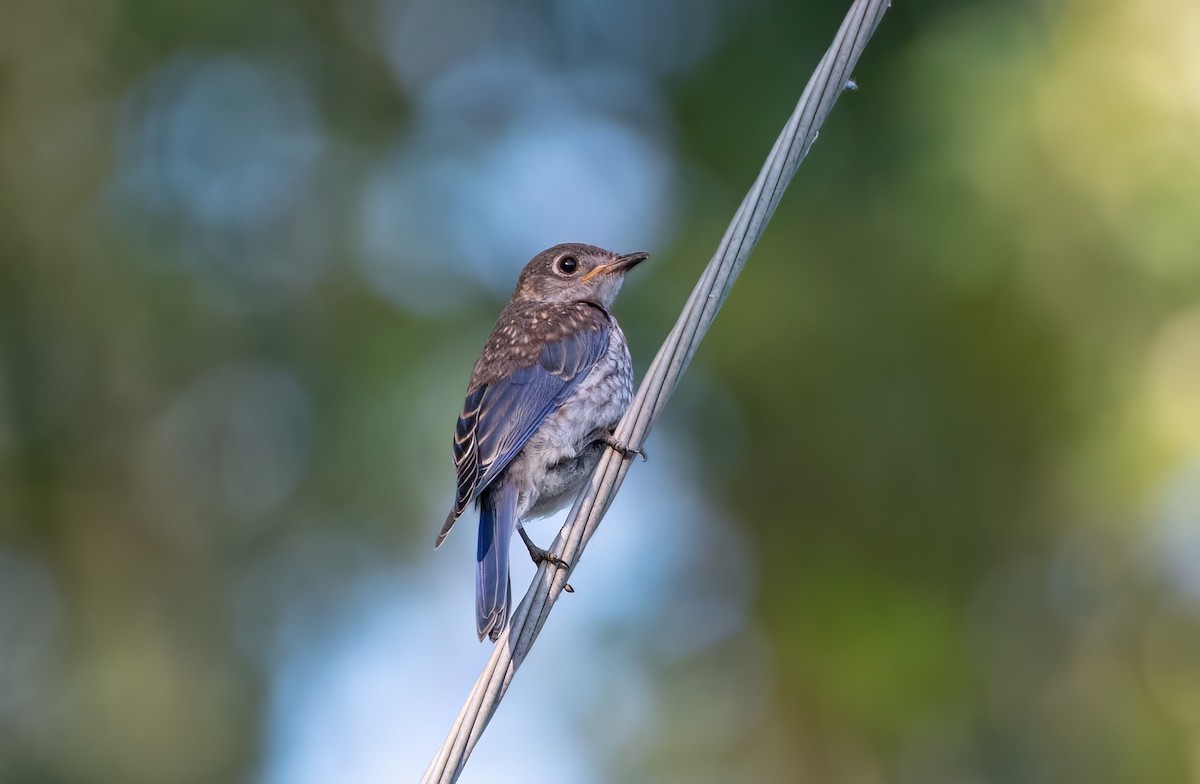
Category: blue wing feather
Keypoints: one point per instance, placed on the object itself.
(499, 417)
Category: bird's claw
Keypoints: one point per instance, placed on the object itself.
(538, 554)
(624, 449)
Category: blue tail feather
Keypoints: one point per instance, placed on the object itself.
(497, 520)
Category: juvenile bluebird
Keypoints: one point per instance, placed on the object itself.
(552, 382)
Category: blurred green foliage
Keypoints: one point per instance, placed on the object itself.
(960, 406)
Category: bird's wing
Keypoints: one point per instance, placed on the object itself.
(500, 415)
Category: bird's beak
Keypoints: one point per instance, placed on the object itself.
(622, 264)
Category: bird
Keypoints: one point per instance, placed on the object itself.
(554, 378)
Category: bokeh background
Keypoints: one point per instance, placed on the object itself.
(925, 509)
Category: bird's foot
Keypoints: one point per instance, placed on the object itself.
(539, 555)
(626, 452)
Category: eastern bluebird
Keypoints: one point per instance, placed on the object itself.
(552, 382)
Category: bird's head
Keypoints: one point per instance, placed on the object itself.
(574, 272)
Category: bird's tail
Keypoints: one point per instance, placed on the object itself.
(493, 594)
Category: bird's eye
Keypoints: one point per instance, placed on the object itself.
(567, 265)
